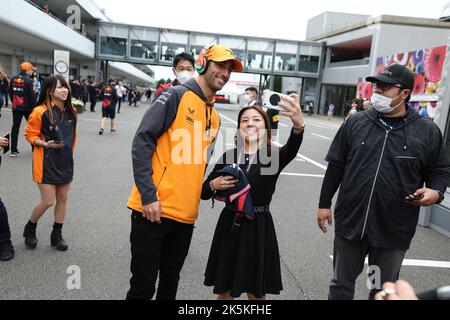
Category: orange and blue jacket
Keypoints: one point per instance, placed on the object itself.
(51, 166)
(170, 151)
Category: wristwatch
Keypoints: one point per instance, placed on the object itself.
(441, 196)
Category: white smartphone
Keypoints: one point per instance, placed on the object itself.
(271, 99)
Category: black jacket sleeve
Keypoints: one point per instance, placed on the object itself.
(157, 120)
(437, 169)
(30, 94)
(331, 182)
(337, 154)
(289, 151)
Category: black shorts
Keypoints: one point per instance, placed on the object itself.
(109, 112)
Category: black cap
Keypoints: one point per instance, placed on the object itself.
(396, 74)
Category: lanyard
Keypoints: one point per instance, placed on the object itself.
(250, 162)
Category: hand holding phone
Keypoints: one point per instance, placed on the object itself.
(412, 198)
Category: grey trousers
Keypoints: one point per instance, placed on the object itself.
(348, 263)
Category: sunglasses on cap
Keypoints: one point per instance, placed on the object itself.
(384, 86)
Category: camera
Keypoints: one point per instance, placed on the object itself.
(271, 99)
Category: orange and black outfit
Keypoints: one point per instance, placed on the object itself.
(173, 175)
(52, 166)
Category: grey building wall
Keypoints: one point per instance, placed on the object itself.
(330, 21)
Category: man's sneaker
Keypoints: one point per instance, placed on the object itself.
(100, 132)
(113, 131)
(15, 154)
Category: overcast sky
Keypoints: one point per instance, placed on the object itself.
(280, 19)
(283, 19)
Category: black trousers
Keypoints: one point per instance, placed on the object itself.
(348, 263)
(17, 121)
(5, 234)
(93, 100)
(119, 100)
(157, 248)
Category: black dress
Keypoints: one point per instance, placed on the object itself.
(247, 260)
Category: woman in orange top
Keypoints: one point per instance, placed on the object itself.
(51, 128)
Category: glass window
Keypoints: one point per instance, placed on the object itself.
(308, 64)
(172, 43)
(309, 58)
(113, 40)
(285, 56)
(144, 43)
(259, 55)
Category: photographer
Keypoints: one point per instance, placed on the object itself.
(52, 130)
(6, 248)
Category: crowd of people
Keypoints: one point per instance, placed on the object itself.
(384, 173)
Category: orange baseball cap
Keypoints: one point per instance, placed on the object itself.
(26, 66)
(220, 53)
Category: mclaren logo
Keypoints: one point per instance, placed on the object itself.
(190, 119)
(191, 111)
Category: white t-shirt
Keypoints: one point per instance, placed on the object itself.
(119, 91)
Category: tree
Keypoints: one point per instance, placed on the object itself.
(160, 82)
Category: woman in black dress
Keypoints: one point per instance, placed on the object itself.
(247, 260)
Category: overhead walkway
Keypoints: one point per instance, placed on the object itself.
(155, 46)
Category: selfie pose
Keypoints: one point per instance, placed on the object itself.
(244, 256)
(51, 129)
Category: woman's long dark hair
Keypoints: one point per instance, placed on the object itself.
(49, 86)
(239, 139)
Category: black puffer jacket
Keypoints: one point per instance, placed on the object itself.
(382, 167)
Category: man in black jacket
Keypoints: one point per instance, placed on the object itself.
(23, 97)
(92, 95)
(381, 159)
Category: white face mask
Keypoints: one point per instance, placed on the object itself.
(184, 76)
(244, 100)
(247, 98)
(383, 104)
